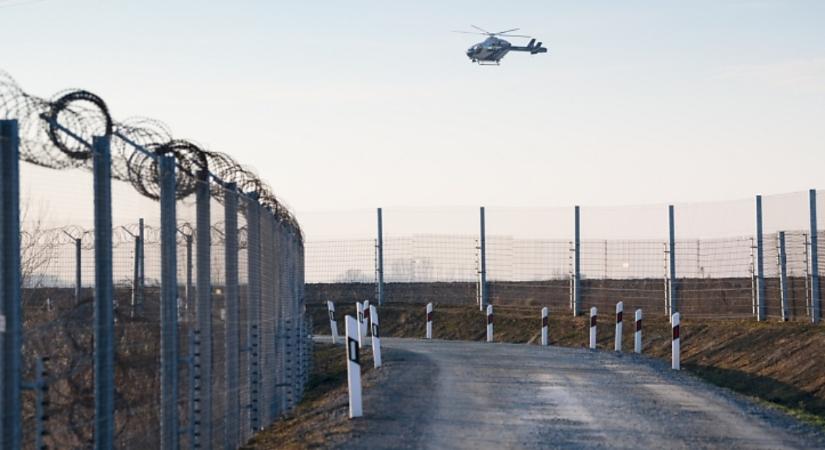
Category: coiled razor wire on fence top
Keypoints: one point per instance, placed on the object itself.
(54, 133)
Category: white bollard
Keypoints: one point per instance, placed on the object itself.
(353, 367)
(617, 340)
(359, 318)
(376, 337)
(429, 320)
(489, 323)
(544, 326)
(593, 328)
(637, 337)
(333, 325)
(675, 343)
(366, 328)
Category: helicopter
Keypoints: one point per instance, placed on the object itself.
(491, 50)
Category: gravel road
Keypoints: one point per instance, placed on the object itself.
(456, 394)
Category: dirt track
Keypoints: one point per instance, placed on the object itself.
(444, 394)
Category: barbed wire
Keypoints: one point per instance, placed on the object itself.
(57, 133)
(67, 235)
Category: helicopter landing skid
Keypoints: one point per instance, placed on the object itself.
(480, 63)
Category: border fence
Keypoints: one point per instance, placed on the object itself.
(152, 291)
(733, 259)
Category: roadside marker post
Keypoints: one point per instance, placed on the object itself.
(675, 343)
(429, 321)
(333, 325)
(353, 367)
(544, 326)
(617, 340)
(593, 328)
(376, 337)
(489, 323)
(366, 326)
(637, 338)
(359, 326)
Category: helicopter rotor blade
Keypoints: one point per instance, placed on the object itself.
(481, 29)
(507, 31)
(469, 32)
(514, 35)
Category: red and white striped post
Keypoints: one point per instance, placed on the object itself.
(359, 326)
(333, 325)
(617, 339)
(429, 321)
(675, 342)
(376, 337)
(593, 328)
(489, 323)
(637, 337)
(544, 326)
(353, 367)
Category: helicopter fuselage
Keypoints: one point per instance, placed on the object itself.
(492, 49)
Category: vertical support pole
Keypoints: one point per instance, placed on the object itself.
(203, 282)
(133, 303)
(783, 276)
(675, 348)
(672, 293)
(353, 367)
(10, 295)
(189, 265)
(104, 324)
(760, 263)
(141, 266)
(195, 388)
(168, 306)
(637, 338)
(593, 322)
(253, 224)
(232, 340)
(806, 270)
(489, 323)
(483, 262)
(617, 339)
(674, 303)
(429, 331)
(380, 262)
(577, 275)
(544, 326)
(815, 299)
(77, 270)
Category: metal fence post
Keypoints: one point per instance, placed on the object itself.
(253, 224)
(760, 263)
(141, 267)
(674, 304)
(189, 266)
(232, 340)
(104, 351)
(815, 300)
(483, 263)
(783, 275)
(77, 270)
(10, 277)
(380, 264)
(203, 281)
(168, 305)
(577, 275)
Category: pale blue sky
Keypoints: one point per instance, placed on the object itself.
(358, 104)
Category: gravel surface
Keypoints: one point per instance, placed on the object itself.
(457, 394)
